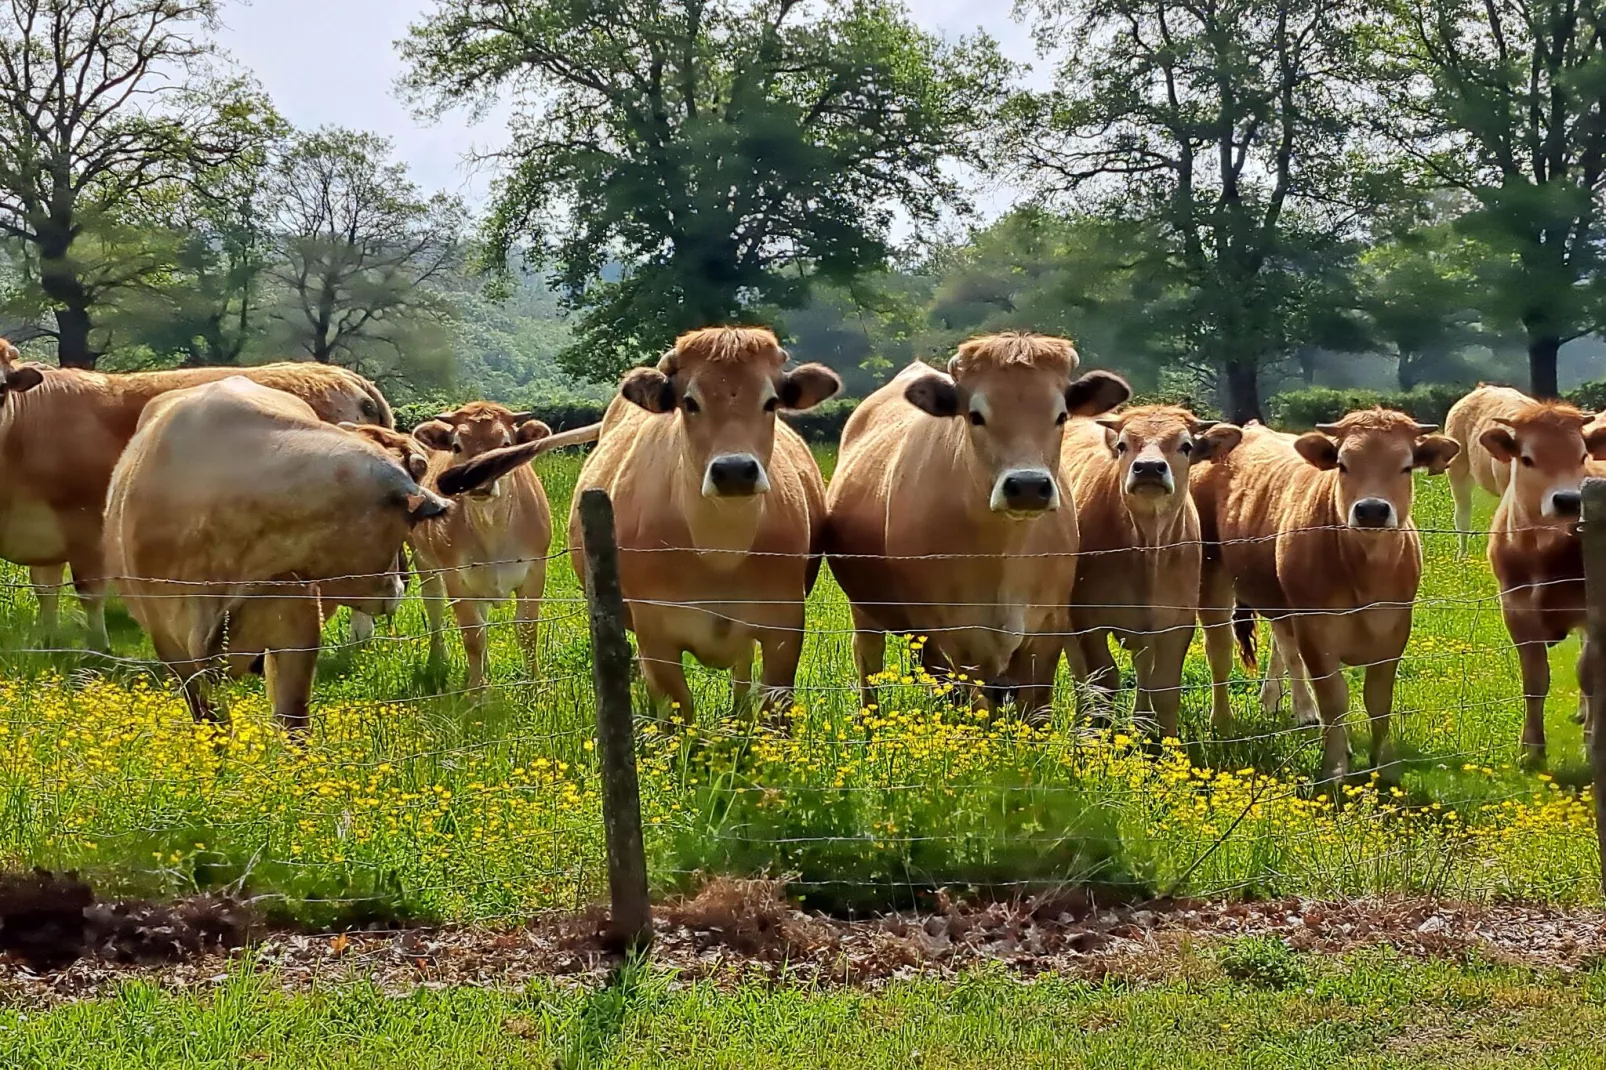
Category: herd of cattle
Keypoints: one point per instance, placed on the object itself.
(1007, 509)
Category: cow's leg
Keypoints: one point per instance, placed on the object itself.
(1460, 474)
(1168, 653)
(1271, 685)
(1103, 678)
(869, 657)
(527, 615)
(1285, 659)
(89, 581)
(470, 613)
(1379, 698)
(1215, 615)
(191, 677)
(47, 581)
(292, 659)
(1332, 700)
(742, 678)
(433, 590)
(665, 676)
(1533, 658)
(783, 650)
(362, 628)
(1032, 670)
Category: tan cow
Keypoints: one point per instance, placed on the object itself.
(495, 544)
(719, 508)
(947, 516)
(1138, 577)
(235, 517)
(61, 438)
(1315, 533)
(1466, 422)
(1534, 548)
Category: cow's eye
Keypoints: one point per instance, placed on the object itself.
(1061, 418)
(691, 406)
(1343, 469)
(457, 447)
(1120, 447)
(1185, 449)
(772, 404)
(977, 419)
(1407, 469)
(1527, 461)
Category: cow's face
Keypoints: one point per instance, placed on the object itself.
(1374, 453)
(476, 429)
(1156, 445)
(1547, 445)
(725, 386)
(15, 376)
(1014, 392)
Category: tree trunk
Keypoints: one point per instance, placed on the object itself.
(72, 337)
(1243, 392)
(1407, 371)
(65, 290)
(1542, 350)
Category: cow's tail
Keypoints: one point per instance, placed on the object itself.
(574, 437)
(1244, 630)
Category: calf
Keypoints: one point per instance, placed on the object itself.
(1140, 554)
(719, 508)
(235, 516)
(1533, 545)
(1315, 533)
(1475, 465)
(947, 515)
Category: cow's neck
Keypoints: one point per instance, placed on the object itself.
(721, 528)
(1158, 527)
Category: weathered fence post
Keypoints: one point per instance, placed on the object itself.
(616, 742)
(1593, 536)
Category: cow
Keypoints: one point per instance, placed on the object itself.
(1534, 547)
(719, 509)
(1466, 422)
(947, 517)
(1138, 579)
(495, 543)
(1315, 533)
(236, 516)
(61, 432)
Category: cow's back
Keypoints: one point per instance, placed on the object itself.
(1466, 422)
(1245, 499)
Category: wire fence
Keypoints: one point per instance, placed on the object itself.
(414, 795)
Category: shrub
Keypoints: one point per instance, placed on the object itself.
(1301, 410)
(1263, 961)
(1591, 397)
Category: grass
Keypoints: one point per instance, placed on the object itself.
(1372, 1010)
(414, 798)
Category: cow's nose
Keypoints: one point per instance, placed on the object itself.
(1150, 472)
(1371, 513)
(735, 475)
(1566, 502)
(1028, 491)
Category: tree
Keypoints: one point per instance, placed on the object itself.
(1503, 99)
(362, 254)
(1222, 130)
(101, 101)
(724, 154)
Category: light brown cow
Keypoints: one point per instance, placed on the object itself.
(947, 516)
(1533, 547)
(243, 516)
(719, 508)
(495, 543)
(1466, 422)
(1138, 577)
(61, 438)
(1315, 533)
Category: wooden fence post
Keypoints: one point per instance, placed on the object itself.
(1593, 536)
(616, 742)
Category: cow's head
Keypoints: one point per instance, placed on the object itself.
(725, 385)
(17, 377)
(1155, 445)
(1014, 391)
(477, 429)
(1374, 453)
(1547, 444)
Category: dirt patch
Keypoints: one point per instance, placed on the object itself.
(738, 929)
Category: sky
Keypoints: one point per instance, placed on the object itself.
(334, 62)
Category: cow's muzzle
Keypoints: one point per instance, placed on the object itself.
(1373, 514)
(1025, 491)
(735, 475)
(1150, 477)
(1564, 503)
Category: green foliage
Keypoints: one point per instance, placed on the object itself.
(1300, 410)
(686, 162)
(1262, 961)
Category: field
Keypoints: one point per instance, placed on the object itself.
(416, 799)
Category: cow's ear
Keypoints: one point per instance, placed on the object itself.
(649, 388)
(1501, 444)
(1095, 393)
(531, 431)
(417, 464)
(1216, 442)
(1595, 442)
(23, 377)
(1112, 433)
(806, 386)
(436, 434)
(1317, 449)
(486, 469)
(1434, 452)
(934, 394)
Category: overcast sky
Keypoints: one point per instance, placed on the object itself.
(335, 62)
